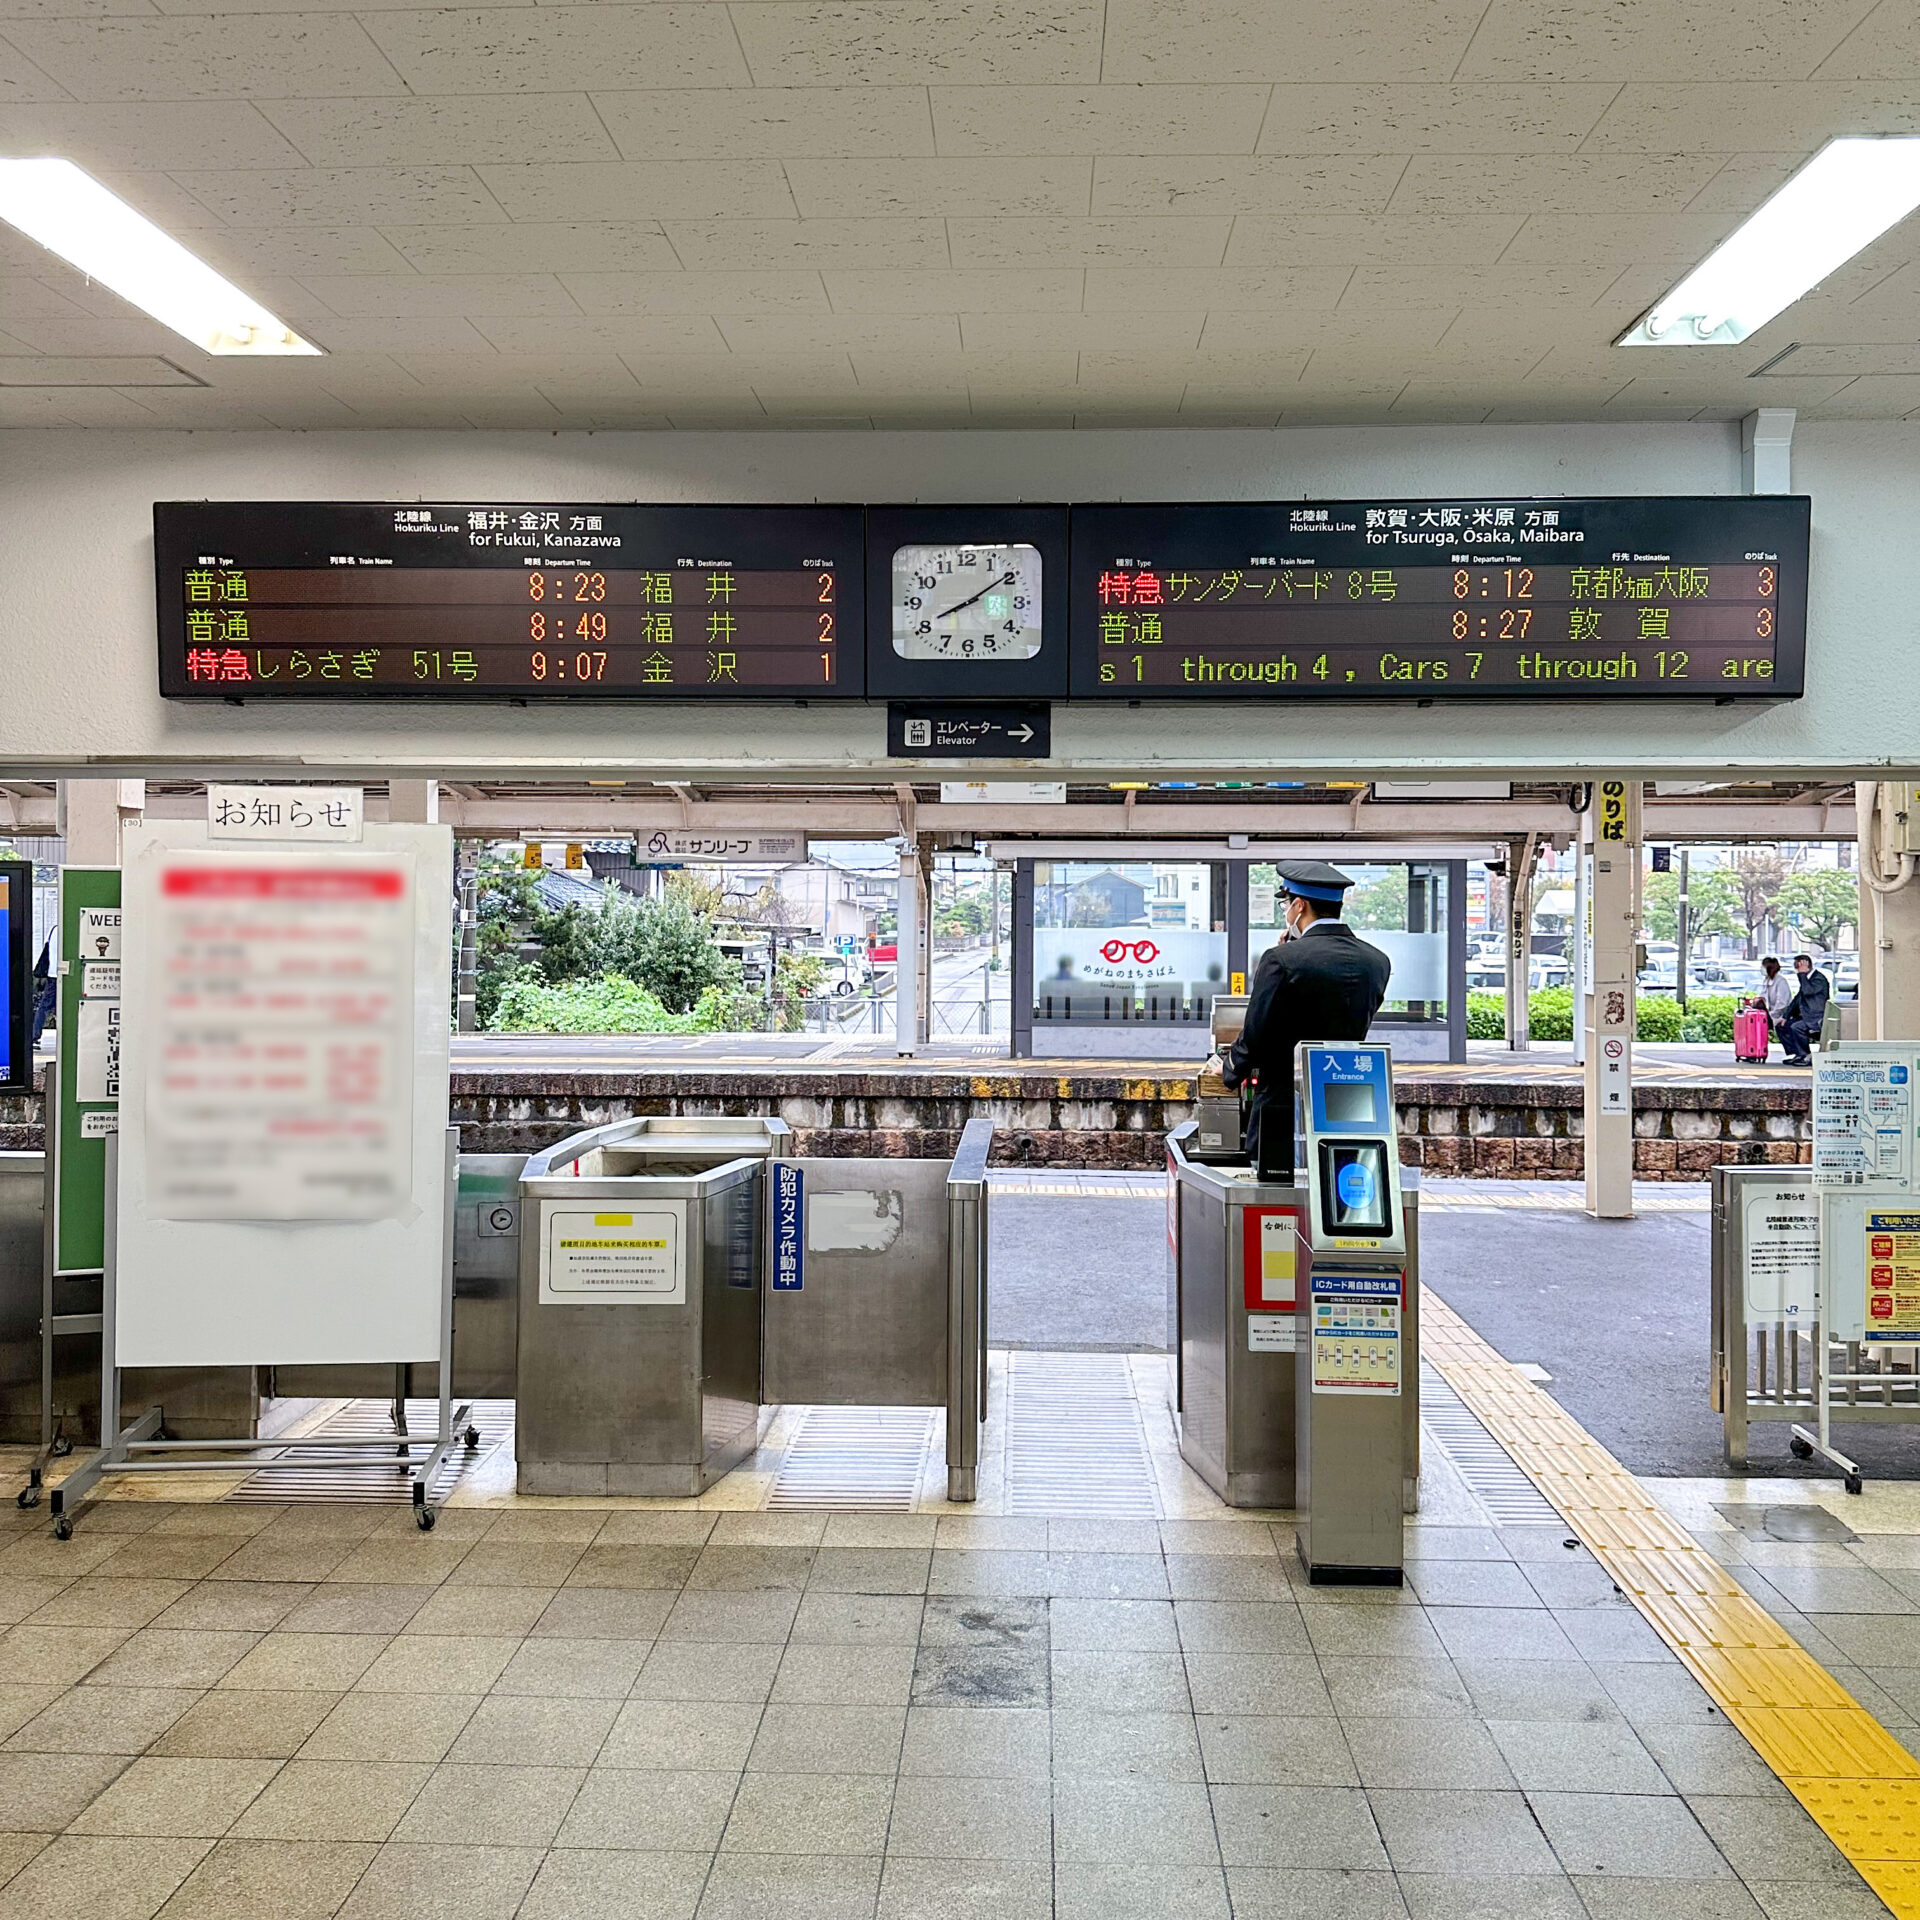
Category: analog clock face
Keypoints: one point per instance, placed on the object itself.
(966, 603)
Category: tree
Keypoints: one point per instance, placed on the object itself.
(1817, 904)
(1714, 904)
(1761, 872)
(1380, 904)
(678, 958)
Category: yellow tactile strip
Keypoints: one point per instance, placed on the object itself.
(1858, 1782)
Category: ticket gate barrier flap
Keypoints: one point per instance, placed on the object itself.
(641, 1250)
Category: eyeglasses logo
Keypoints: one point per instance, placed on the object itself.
(1143, 951)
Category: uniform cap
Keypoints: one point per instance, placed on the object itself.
(1313, 879)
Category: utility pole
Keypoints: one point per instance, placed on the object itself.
(1686, 935)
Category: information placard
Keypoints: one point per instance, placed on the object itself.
(1862, 1120)
(319, 600)
(1431, 599)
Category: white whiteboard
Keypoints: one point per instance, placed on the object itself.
(196, 1292)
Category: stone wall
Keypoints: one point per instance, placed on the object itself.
(1533, 1130)
(1498, 1125)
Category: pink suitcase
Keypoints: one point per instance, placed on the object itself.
(1751, 1034)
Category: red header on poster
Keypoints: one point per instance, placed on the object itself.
(1271, 1259)
(280, 883)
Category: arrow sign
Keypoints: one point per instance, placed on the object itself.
(930, 731)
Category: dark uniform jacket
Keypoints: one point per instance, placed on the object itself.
(1810, 1003)
(1326, 985)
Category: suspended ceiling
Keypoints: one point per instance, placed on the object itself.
(934, 213)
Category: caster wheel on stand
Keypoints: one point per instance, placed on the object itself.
(423, 1517)
(63, 1528)
(1852, 1483)
(472, 1436)
(27, 1497)
(1799, 1449)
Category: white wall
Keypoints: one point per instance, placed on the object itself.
(77, 649)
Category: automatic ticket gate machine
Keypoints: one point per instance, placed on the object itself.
(681, 1277)
(1352, 1361)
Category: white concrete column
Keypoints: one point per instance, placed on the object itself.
(92, 816)
(1609, 1065)
(414, 801)
(1896, 901)
(1866, 801)
(906, 968)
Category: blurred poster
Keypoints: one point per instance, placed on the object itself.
(280, 1085)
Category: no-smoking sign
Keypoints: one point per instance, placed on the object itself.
(1615, 1048)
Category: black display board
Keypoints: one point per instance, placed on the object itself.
(455, 602)
(1534, 599)
(16, 975)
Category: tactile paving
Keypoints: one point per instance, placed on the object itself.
(1839, 1762)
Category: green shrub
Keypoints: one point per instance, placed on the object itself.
(1550, 1016)
(610, 1004)
(1709, 1017)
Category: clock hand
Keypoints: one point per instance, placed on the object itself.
(1006, 580)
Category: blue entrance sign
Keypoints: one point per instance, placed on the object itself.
(789, 1212)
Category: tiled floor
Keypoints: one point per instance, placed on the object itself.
(558, 1712)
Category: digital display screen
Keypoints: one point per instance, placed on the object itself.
(16, 977)
(455, 602)
(1354, 1187)
(1426, 599)
(1349, 1105)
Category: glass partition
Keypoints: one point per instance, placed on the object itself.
(1399, 907)
(1133, 941)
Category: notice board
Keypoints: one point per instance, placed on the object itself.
(285, 1015)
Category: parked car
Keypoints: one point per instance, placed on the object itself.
(1544, 970)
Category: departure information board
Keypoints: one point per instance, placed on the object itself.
(331, 601)
(1531, 599)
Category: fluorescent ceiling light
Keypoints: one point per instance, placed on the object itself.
(1845, 197)
(72, 214)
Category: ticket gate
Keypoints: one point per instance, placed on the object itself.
(680, 1277)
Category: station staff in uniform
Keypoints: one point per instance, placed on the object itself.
(1319, 982)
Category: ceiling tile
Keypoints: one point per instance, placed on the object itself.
(1743, 182)
(1365, 40)
(1637, 239)
(767, 123)
(1657, 39)
(238, 56)
(112, 370)
(426, 133)
(932, 333)
(1110, 119)
(1377, 240)
(1490, 289)
(587, 334)
(920, 42)
(1306, 118)
(999, 331)
(342, 196)
(558, 49)
(643, 190)
(855, 189)
(554, 246)
(373, 296)
(1334, 183)
(1136, 242)
(700, 293)
(1521, 183)
(1038, 290)
(1398, 332)
(126, 331)
(400, 334)
(1749, 117)
(244, 251)
(141, 135)
(1885, 46)
(21, 81)
(822, 244)
(1207, 289)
